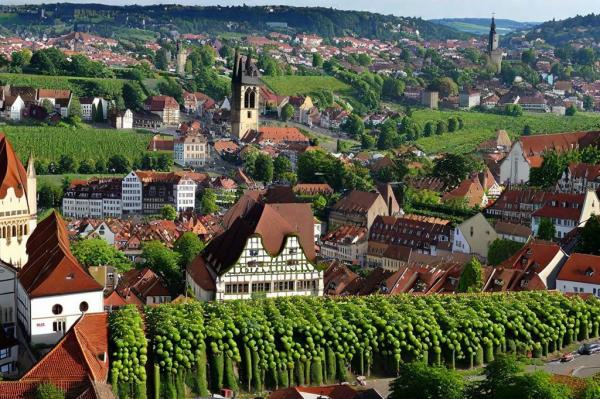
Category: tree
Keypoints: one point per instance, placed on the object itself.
(387, 136)
(367, 141)
(85, 167)
(317, 60)
(589, 242)
(74, 109)
(161, 61)
(41, 62)
(527, 130)
(66, 164)
(546, 230)
(513, 110)
(364, 59)
(188, 246)
(48, 106)
(100, 166)
(118, 164)
(97, 252)
(471, 279)
(429, 129)
(499, 378)
(440, 127)
(263, 167)
(132, 95)
(588, 102)
(49, 196)
(354, 125)
(537, 385)
(281, 166)
(418, 380)
(445, 86)
(571, 110)
(47, 390)
(453, 168)
(168, 212)
(452, 124)
(164, 262)
(501, 249)
(287, 112)
(392, 88)
(209, 202)
(529, 56)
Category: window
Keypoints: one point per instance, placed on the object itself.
(4, 353)
(261, 287)
(83, 306)
(5, 368)
(57, 309)
(59, 326)
(236, 288)
(254, 252)
(284, 286)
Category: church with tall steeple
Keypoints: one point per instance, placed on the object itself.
(245, 89)
(494, 52)
(18, 204)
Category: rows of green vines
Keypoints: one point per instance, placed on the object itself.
(268, 344)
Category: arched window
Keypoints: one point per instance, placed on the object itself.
(83, 306)
(57, 309)
(3, 232)
(253, 99)
(26, 229)
(20, 230)
(14, 231)
(247, 98)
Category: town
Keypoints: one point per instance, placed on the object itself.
(276, 209)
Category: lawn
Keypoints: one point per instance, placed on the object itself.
(58, 179)
(297, 85)
(79, 85)
(482, 126)
(48, 143)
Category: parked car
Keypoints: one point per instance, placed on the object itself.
(589, 349)
(567, 357)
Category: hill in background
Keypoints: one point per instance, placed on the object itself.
(111, 20)
(481, 26)
(584, 29)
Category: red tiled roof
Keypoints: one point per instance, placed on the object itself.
(346, 233)
(51, 268)
(12, 173)
(159, 103)
(81, 354)
(277, 135)
(584, 170)
(332, 392)
(142, 283)
(534, 146)
(54, 93)
(357, 202)
(469, 189)
(581, 268)
(313, 188)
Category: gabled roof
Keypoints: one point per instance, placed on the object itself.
(142, 283)
(534, 146)
(12, 173)
(357, 202)
(159, 103)
(51, 268)
(77, 362)
(276, 135)
(273, 223)
(581, 268)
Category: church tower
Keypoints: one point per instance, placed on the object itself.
(245, 89)
(18, 207)
(494, 52)
(181, 59)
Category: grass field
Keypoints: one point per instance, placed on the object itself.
(481, 126)
(49, 143)
(58, 179)
(297, 85)
(79, 85)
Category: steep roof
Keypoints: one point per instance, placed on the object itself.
(12, 173)
(534, 146)
(273, 223)
(581, 268)
(77, 362)
(51, 268)
(159, 103)
(142, 283)
(357, 202)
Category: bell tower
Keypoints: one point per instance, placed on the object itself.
(245, 89)
(494, 52)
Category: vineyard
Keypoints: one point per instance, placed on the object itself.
(48, 143)
(269, 344)
(298, 85)
(78, 85)
(482, 126)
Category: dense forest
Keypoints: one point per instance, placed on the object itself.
(327, 22)
(558, 33)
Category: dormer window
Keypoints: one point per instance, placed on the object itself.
(70, 276)
(589, 272)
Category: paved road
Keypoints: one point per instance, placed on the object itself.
(581, 366)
